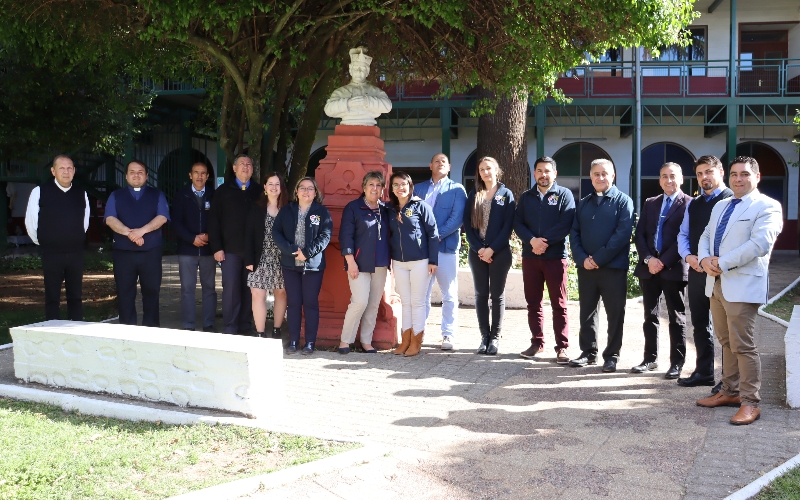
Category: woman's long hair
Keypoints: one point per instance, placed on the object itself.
(480, 191)
(283, 198)
(392, 197)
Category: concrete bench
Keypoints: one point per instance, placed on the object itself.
(207, 370)
(792, 353)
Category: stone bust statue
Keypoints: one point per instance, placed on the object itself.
(358, 102)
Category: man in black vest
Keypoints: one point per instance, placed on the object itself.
(226, 230)
(710, 176)
(190, 209)
(57, 219)
(661, 270)
(136, 213)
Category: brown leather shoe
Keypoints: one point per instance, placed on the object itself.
(532, 351)
(746, 415)
(416, 344)
(719, 399)
(404, 343)
(561, 357)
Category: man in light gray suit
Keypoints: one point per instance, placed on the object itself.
(734, 252)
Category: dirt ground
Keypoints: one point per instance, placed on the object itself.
(26, 290)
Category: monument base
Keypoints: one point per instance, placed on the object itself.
(352, 152)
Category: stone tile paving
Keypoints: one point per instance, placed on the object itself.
(468, 426)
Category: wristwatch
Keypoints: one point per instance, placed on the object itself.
(647, 260)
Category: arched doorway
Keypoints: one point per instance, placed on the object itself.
(172, 175)
(771, 165)
(313, 160)
(574, 162)
(659, 153)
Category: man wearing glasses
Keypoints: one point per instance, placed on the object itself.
(190, 210)
(226, 230)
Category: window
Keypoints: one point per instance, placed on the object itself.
(573, 163)
(654, 156)
(695, 51)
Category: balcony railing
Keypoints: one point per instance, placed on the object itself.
(765, 77)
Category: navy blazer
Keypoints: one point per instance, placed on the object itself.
(675, 268)
(189, 219)
(413, 235)
(361, 231)
(319, 228)
(501, 220)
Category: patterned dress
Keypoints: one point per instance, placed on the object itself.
(268, 275)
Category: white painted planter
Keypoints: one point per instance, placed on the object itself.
(209, 370)
(792, 341)
(515, 294)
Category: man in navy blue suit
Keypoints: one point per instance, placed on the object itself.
(661, 270)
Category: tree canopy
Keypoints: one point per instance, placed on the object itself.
(275, 61)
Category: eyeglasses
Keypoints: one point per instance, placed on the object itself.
(401, 185)
(306, 189)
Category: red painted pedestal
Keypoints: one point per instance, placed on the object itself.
(352, 152)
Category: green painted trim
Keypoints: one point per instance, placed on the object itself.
(541, 123)
(730, 134)
(445, 122)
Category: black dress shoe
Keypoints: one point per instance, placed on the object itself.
(276, 333)
(491, 350)
(673, 372)
(695, 380)
(292, 347)
(644, 366)
(260, 335)
(584, 359)
(209, 328)
(609, 366)
(716, 388)
(484, 345)
(308, 348)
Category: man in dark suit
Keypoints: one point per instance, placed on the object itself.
(711, 178)
(226, 230)
(190, 209)
(661, 270)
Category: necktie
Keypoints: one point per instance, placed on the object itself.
(723, 222)
(660, 239)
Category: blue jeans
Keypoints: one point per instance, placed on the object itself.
(302, 298)
(447, 277)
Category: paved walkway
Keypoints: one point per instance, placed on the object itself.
(468, 426)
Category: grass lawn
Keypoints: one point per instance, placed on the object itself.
(786, 487)
(49, 453)
(783, 307)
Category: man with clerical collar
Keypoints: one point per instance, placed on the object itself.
(600, 241)
(226, 230)
(662, 271)
(447, 199)
(543, 220)
(190, 209)
(57, 218)
(711, 178)
(136, 213)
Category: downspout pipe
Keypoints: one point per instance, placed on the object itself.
(637, 134)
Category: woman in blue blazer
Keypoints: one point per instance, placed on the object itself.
(364, 241)
(414, 242)
(302, 230)
(488, 220)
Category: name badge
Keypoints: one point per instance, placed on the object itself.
(208, 205)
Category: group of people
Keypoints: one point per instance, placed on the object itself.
(717, 245)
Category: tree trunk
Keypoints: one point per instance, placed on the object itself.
(230, 124)
(503, 136)
(254, 109)
(307, 131)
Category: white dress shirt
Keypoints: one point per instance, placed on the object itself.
(32, 212)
